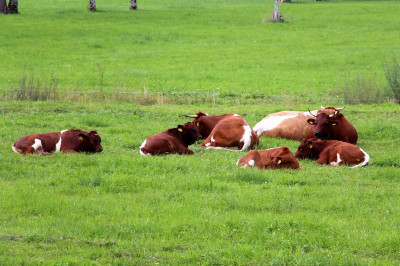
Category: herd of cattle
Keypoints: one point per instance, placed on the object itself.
(325, 135)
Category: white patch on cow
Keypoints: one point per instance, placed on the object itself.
(212, 139)
(221, 148)
(246, 139)
(142, 146)
(58, 145)
(270, 123)
(252, 163)
(37, 144)
(237, 163)
(366, 159)
(14, 149)
(337, 162)
(236, 115)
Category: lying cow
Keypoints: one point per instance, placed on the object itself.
(334, 126)
(332, 152)
(231, 133)
(275, 158)
(205, 123)
(290, 124)
(71, 140)
(173, 140)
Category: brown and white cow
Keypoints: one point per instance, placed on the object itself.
(290, 124)
(173, 140)
(275, 158)
(205, 123)
(332, 152)
(232, 133)
(334, 127)
(71, 140)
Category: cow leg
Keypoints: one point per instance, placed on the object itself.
(29, 150)
(183, 150)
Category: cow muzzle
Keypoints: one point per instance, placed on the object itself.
(318, 134)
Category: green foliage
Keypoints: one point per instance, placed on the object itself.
(392, 71)
(363, 90)
(34, 90)
(118, 207)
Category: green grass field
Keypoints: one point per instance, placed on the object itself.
(118, 207)
(198, 45)
(121, 207)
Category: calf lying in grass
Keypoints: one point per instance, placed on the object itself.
(71, 140)
(173, 140)
(332, 152)
(276, 158)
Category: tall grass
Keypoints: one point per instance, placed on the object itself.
(34, 90)
(392, 71)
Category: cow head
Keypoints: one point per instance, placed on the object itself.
(305, 149)
(202, 125)
(90, 142)
(323, 123)
(330, 110)
(189, 133)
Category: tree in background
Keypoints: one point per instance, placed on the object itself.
(3, 7)
(276, 16)
(11, 8)
(92, 5)
(133, 5)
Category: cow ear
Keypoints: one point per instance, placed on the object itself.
(311, 121)
(309, 144)
(83, 136)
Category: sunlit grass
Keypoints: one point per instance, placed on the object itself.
(118, 206)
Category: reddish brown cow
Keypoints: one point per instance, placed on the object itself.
(332, 152)
(205, 123)
(334, 127)
(71, 140)
(231, 133)
(290, 124)
(275, 158)
(173, 140)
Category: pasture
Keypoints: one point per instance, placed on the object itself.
(118, 207)
(201, 46)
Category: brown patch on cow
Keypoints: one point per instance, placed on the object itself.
(228, 133)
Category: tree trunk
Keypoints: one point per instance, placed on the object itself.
(276, 16)
(3, 7)
(133, 5)
(92, 5)
(13, 6)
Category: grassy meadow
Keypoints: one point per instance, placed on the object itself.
(118, 207)
(200, 46)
